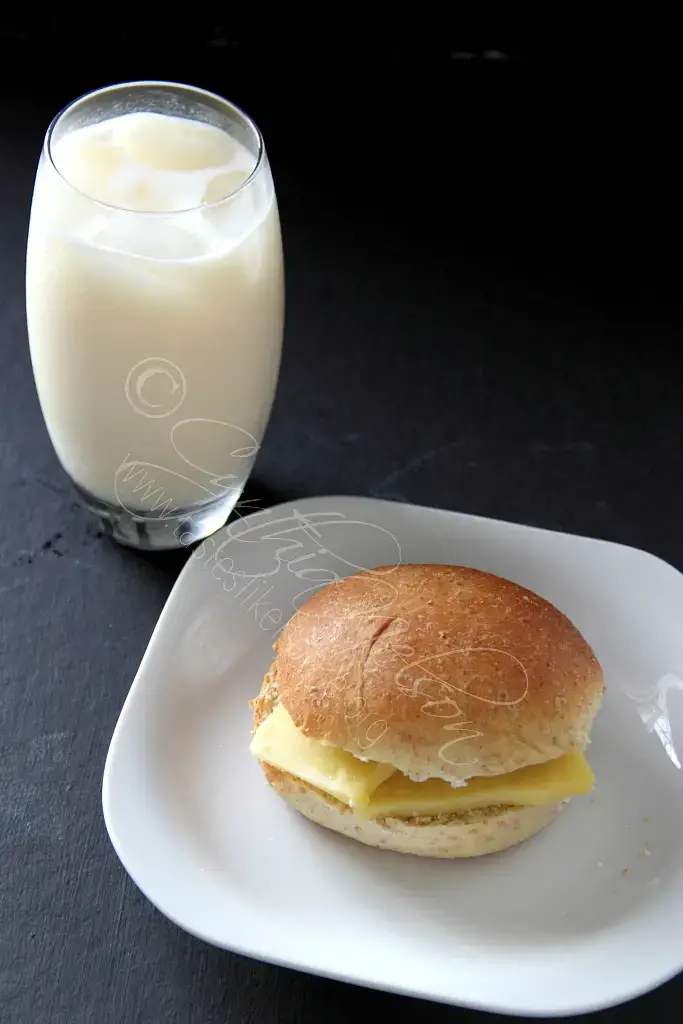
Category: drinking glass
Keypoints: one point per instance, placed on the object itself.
(155, 305)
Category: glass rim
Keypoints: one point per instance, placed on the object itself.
(206, 93)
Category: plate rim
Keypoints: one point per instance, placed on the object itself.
(251, 951)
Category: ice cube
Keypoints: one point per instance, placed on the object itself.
(173, 143)
(152, 191)
(223, 185)
(89, 163)
(156, 238)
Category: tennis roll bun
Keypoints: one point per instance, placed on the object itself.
(422, 648)
(429, 709)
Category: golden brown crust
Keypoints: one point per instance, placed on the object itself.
(267, 698)
(439, 670)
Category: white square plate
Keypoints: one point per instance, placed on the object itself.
(585, 915)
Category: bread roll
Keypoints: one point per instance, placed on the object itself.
(442, 672)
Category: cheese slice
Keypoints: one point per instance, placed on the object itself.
(546, 783)
(279, 743)
(379, 790)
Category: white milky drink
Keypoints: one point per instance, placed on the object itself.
(155, 307)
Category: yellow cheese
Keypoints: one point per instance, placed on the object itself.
(278, 742)
(546, 783)
(377, 790)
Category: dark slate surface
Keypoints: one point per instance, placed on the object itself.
(483, 283)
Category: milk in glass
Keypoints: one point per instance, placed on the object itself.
(155, 307)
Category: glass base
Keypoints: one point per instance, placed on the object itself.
(147, 532)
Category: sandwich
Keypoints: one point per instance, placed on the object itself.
(433, 710)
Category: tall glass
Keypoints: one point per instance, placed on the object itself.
(155, 305)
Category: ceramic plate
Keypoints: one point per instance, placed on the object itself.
(585, 915)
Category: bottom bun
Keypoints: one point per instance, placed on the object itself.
(470, 834)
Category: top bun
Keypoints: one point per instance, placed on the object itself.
(441, 671)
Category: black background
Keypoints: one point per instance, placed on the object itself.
(483, 274)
